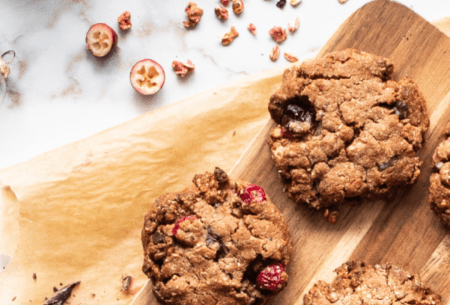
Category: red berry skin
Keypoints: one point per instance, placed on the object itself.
(177, 224)
(253, 193)
(91, 39)
(272, 278)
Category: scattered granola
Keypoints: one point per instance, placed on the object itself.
(124, 20)
(194, 14)
(225, 2)
(295, 2)
(238, 6)
(281, 3)
(293, 25)
(182, 69)
(275, 53)
(230, 36)
(221, 12)
(278, 33)
(252, 28)
(290, 56)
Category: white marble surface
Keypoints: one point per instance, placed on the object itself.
(58, 93)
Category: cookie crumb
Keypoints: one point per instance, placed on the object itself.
(34, 276)
(331, 216)
(342, 1)
(194, 14)
(221, 12)
(225, 2)
(295, 2)
(93, 295)
(230, 36)
(234, 133)
(252, 28)
(278, 33)
(124, 20)
(181, 69)
(238, 6)
(14, 299)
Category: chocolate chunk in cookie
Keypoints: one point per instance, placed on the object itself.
(220, 241)
(358, 283)
(439, 197)
(346, 130)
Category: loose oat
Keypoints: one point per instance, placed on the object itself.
(252, 28)
(290, 56)
(295, 2)
(230, 36)
(274, 53)
(194, 14)
(293, 25)
(278, 33)
(124, 20)
(221, 12)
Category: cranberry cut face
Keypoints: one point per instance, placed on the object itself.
(298, 110)
(253, 193)
(147, 77)
(100, 39)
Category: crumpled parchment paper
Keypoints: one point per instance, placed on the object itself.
(79, 209)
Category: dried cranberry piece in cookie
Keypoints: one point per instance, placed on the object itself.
(297, 111)
(273, 278)
(179, 221)
(253, 193)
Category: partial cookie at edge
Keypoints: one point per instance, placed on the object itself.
(439, 198)
(358, 283)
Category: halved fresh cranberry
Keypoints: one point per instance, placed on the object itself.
(101, 39)
(147, 77)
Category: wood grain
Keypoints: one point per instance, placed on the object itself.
(402, 231)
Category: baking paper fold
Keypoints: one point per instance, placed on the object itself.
(79, 209)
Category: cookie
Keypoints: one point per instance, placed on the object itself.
(346, 130)
(439, 197)
(219, 241)
(358, 283)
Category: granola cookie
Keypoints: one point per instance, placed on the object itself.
(346, 129)
(358, 283)
(219, 241)
(439, 197)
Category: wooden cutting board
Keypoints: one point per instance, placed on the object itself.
(403, 231)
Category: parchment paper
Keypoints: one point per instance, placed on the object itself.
(79, 209)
